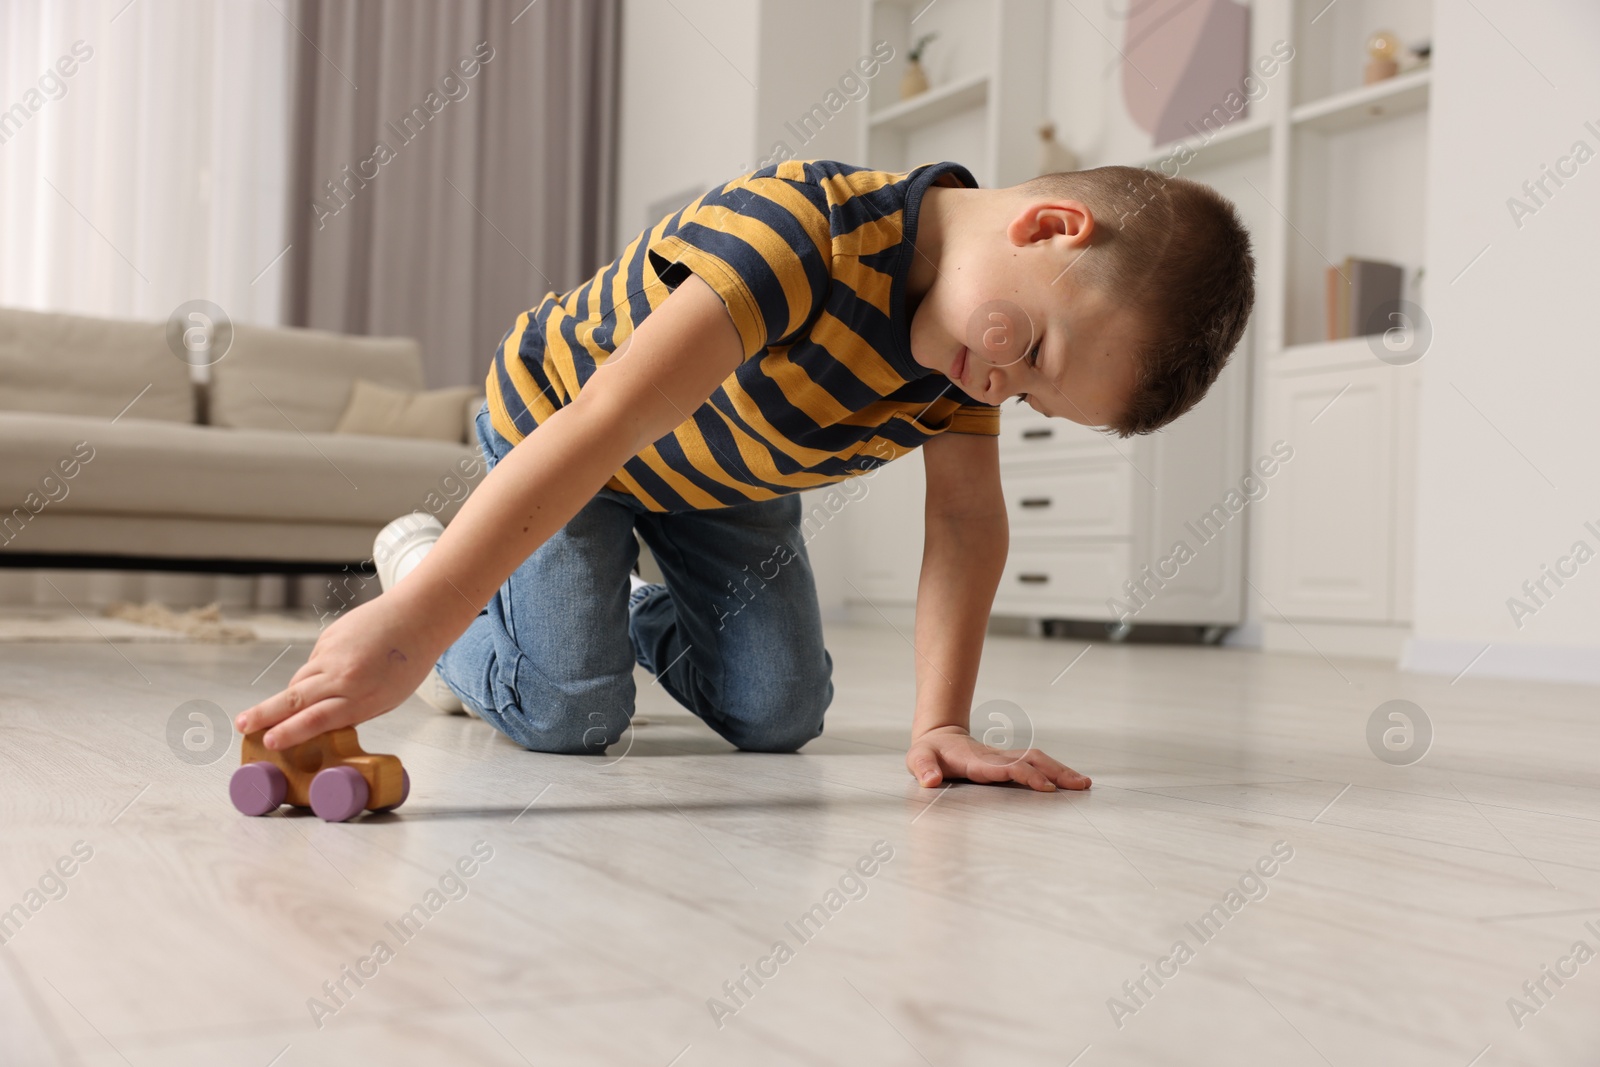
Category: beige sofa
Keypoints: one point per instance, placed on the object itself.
(105, 466)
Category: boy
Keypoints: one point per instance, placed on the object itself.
(798, 326)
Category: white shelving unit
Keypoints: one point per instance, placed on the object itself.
(1352, 174)
(1237, 140)
(986, 97)
(1355, 108)
(1321, 167)
(932, 106)
(1327, 169)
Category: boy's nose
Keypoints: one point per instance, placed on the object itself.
(996, 384)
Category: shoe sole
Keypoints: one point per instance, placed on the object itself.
(392, 543)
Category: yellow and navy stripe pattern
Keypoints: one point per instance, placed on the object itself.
(812, 259)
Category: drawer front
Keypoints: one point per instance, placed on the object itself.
(1078, 499)
(1026, 434)
(1071, 580)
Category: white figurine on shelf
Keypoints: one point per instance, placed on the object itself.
(1054, 156)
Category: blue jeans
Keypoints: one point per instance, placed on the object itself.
(735, 634)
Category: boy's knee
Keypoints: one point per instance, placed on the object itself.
(565, 726)
(781, 718)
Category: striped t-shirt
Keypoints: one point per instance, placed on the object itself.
(812, 259)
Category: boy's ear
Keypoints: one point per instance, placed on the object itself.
(1044, 220)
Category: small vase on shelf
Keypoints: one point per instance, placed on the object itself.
(915, 79)
(1383, 50)
(1054, 157)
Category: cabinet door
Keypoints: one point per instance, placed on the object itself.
(1328, 525)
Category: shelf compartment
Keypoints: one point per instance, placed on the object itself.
(1390, 98)
(931, 106)
(1236, 140)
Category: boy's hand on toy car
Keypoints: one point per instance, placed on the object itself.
(365, 663)
(951, 752)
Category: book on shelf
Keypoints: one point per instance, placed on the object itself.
(1357, 292)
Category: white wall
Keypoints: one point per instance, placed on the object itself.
(805, 50)
(1510, 449)
(689, 70)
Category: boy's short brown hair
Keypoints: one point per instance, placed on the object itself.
(1176, 251)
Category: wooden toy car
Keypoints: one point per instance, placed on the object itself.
(329, 773)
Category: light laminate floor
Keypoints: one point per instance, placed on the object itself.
(620, 894)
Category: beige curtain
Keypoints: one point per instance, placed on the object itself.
(449, 164)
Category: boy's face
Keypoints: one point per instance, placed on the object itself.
(1010, 316)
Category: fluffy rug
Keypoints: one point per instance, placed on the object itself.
(198, 624)
(154, 621)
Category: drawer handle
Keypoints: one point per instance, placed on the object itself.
(1035, 501)
(1042, 431)
(1033, 579)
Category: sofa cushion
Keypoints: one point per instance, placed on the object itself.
(283, 378)
(78, 365)
(138, 466)
(378, 411)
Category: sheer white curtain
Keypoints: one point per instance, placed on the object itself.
(151, 174)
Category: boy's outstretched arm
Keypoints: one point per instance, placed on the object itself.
(963, 554)
(374, 656)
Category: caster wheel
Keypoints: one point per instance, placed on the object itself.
(258, 788)
(338, 793)
(405, 791)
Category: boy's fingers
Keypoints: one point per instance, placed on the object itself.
(1071, 779)
(296, 697)
(1060, 773)
(1066, 776)
(925, 767)
(1032, 777)
(307, 669)
(317, 719)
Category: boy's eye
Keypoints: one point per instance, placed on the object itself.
(1033, 357)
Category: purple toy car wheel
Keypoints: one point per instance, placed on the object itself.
(337, 793)
(258, 788)
(405, 791)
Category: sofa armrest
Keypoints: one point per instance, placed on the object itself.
(470, 427)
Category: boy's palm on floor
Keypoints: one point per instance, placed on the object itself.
(951, 752)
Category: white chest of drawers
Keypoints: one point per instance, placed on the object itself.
(1096, 521)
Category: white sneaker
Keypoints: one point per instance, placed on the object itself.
(436, 694)
(400, 546)
(396, 551)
